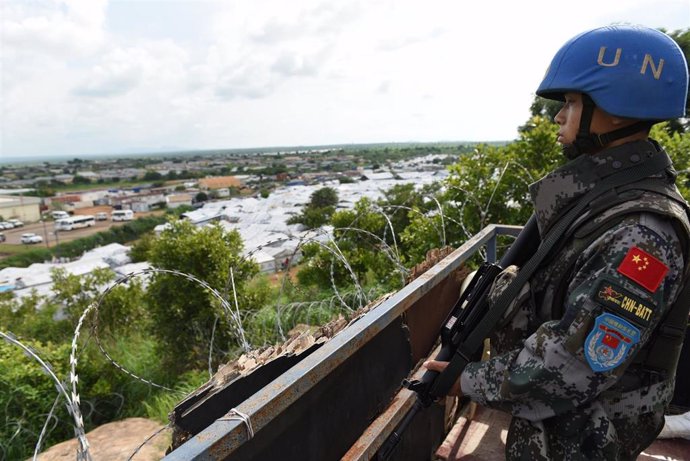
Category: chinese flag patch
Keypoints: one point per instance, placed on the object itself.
(643, 268)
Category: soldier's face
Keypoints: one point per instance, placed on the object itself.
(568, 118)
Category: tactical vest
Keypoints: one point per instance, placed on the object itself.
(657, 360)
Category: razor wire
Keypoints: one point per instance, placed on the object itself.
(227, 309)
(147, 440)
(44, 429)
(72, 401)
(234, 316)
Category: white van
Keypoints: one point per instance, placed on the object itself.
(122, 215)
(59, 215)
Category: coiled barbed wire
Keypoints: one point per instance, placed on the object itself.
(71, 401)
(124, 279)
(44, 429)
(74, 378)
(234, 316)
(148, 439)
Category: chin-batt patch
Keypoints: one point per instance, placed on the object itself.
(617, 300)
(610, 341)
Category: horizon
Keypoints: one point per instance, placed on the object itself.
(228, 151)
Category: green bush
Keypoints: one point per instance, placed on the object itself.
(26, 397)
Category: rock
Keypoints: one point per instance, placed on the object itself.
(116, 441)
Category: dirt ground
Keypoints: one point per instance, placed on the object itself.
(116, 441)
(277, 278)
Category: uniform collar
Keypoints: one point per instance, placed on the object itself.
(553, 194)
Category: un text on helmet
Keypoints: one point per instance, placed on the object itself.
(647, 62)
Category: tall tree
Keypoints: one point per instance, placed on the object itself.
(183, 311)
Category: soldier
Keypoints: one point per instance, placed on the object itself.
(585, 356)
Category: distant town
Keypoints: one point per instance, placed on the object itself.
(31, 192)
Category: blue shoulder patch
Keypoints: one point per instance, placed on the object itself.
(610, 342)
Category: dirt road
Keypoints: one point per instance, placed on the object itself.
(51, 237)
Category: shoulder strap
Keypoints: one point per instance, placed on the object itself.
(663, 354)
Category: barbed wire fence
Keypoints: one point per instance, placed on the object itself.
(346, 301)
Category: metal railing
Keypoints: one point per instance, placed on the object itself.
(224, 436)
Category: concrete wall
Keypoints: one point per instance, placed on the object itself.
(25, 209)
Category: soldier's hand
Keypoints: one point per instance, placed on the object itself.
(435, 365)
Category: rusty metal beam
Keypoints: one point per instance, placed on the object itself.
(376, 434)
(223, 437)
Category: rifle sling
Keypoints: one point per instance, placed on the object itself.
(475, 338)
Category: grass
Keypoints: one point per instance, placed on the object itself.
(161, 404)
(8, 249)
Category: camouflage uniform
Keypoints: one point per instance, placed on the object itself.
(539, 369)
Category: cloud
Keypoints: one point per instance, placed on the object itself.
(260, 47)
(160, 66)
(384, 87)
(294, 65)
(117, 73)
(282, 22)
(85, 76)
(56, 29)
(398, 42)
(242, 87)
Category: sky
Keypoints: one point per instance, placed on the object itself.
(88, 77)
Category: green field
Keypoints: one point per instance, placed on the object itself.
(7, 249)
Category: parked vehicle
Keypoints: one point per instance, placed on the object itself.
(101, 216)
(122, 215)
(15, 222)
(6, 225)
(59, 215)
(75, 222)
(30, 238)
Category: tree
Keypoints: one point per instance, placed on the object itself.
(489, 185)
(80, 180)
(682, 38)
(364, 238)
(677, 145)
(201, 197)
(140, 250)
(183, 311)
(542, 107)
(75, 293)
(152, 176)
(403, 201)
(324, 197)
(319, 210)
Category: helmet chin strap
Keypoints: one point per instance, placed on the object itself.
(590, 143)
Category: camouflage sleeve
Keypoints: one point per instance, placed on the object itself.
(620, 289)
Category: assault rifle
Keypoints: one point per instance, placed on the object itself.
(472, 320)
(457, 347)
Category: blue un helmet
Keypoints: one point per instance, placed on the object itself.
(627, 71)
